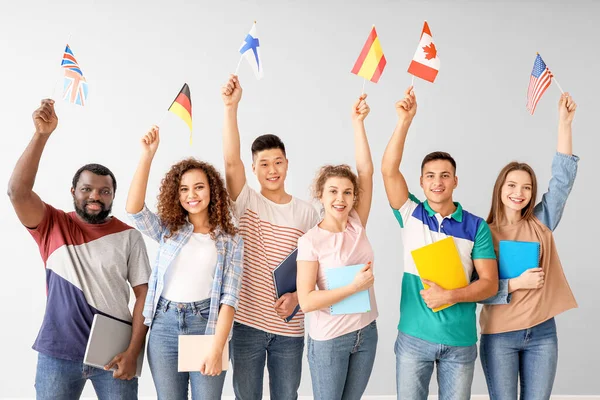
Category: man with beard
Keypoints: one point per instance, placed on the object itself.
(90, 257)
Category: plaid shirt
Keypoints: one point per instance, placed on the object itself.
(228, 274)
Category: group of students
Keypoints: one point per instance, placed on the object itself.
(219, 241)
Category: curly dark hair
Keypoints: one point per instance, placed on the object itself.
(338, 171)
(172, 213)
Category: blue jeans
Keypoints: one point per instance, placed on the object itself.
(529, 354)
(58, 379)
(249, 349)
(171, 320)
(340, 368)
(414, 366)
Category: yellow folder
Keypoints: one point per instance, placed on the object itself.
(440, 262)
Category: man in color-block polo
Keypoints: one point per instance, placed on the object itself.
(445, 338)
(91, 261)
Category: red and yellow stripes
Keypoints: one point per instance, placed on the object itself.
(371, 62)
(182, 107)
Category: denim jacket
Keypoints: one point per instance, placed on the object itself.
(549, 211)
(228, 274)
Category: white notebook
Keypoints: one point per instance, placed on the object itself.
(108, 337)
(193, 349)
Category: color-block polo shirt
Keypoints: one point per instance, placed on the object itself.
(455, 325)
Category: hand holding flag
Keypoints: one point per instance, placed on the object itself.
(231, 92)
(407, 107)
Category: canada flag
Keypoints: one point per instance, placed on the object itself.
(425, 63)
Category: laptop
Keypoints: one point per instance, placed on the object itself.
(108, 337)
(193, 349)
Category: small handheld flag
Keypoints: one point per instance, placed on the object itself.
(425, 63)
(371, 61)
(539, 81)
(75, 87)
(250, 49)
(182, 107)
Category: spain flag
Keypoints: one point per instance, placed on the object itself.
(371, 62)
(182, 107)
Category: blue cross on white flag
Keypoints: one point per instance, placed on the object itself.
(250, 49)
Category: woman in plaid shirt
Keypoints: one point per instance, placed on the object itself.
(196, 278)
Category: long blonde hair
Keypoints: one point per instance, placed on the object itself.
(496, 214)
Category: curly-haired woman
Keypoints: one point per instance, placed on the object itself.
(341, 348)
(195, 282)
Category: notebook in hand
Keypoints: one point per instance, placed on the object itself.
(440, 263)
(192, 350)
(108, 337)
(284, 278)
(514, 258)
(341, 276)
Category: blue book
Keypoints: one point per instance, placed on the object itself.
(341, 276)
(284, 278)
(514, 258)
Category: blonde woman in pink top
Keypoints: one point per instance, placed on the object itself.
(341, 348)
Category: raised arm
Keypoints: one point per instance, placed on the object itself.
(27, 204)
(137, 190)
(566, 113)
(564, 168)
(362, 154)
(394, 182)
(235, 174)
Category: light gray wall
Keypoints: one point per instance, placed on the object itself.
(137, 57)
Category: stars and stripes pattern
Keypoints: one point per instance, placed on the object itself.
(540, 80)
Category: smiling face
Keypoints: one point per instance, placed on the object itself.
(93, 197)
(438, 181)
(270, 167)
(194, 191)
(338, 197)
(516, 190)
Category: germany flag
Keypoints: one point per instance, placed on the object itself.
(182, 107)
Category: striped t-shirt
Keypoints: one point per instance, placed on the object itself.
(87, 270)
(455, 325)
(270, 232)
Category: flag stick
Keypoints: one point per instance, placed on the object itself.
(238, 66)
(363, 88)
(162, 118)
(412, 82)
(558, 84)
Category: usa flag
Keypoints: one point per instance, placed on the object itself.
(75, 88)
(540, 80)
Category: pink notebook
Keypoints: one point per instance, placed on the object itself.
(193, 349)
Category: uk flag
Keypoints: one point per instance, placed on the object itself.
(75, 88)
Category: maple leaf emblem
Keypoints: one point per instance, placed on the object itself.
(430, 51)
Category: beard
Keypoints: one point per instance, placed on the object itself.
(98, 218)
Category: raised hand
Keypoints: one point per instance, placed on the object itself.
(364, 278)
(231, 91)
(360, 109)
(150, 141)
(44, 118)
(407, 107)
(566, 108)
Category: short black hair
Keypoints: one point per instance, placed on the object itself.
(95, 169)
(438, 155)
(267, 142)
